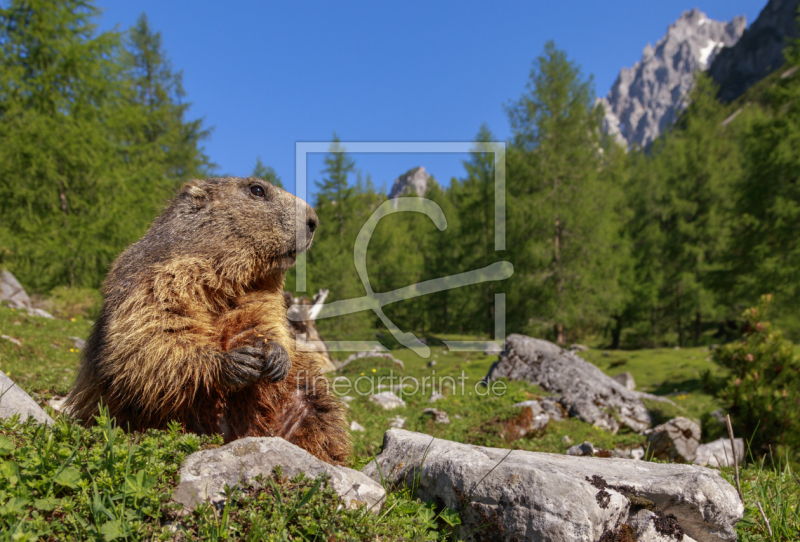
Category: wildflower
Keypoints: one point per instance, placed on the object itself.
(72, 319)
(749, 357)
(759, 327)
(374, 370)
(362, 374)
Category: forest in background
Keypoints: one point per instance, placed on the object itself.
(650, 247)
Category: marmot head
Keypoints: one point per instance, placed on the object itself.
(247, 215)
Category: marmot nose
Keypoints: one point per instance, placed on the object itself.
(313, 221)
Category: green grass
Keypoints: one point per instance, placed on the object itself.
(104, 484)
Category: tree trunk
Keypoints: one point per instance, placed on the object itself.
(559, 327)
(698, 328)
(680, 325)
(616, 333)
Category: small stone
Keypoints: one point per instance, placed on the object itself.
(435, 397)
(719, 454)
(578, 347)
(355, 426)
(79, 343)
(605, 354)
(12, 340)
(677, 348)
(439, 416)
(387, 400)
(675, 441)
(581, 450)
(566, 440)
(398, 422)
(347, 398)
(432, 363)
(57, 403)
(492, 348)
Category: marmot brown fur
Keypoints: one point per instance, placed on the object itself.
(193, 326)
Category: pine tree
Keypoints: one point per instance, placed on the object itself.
(564, 232)
(92, 140)
(266, 173)
(474, 197)
(698, 163)
(766, 255)
(59, 90)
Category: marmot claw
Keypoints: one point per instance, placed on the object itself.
(249, 364)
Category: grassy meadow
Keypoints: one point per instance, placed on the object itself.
(104, 484)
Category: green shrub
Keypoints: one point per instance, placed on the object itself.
(762, 392)
(75, 302)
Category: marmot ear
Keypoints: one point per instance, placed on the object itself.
(195, 192)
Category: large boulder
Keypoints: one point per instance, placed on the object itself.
(205, 474)
(675, 440)
(14, 400)
(586, 391)
(518, 495)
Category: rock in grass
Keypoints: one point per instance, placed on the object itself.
(205, 474)
(675, 441)
(387, 400)
(586, 392)
(355, 426)
(398, 422)
(14, 400)
(439, 416)
(518, 495)
(584, 449)
(719, 453)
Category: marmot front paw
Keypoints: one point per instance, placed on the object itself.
(250, 364)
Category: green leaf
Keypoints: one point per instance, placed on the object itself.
(10, 471)
(111, 530)
(450, 517)
(68, 477)
(47, 504)
(14, 506)
(6, 446)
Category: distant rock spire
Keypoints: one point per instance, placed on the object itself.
(648, 97)
(413, 182)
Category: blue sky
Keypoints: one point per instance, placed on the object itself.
(266, 74)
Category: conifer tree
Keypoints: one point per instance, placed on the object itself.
(562, 211)
(265, 172)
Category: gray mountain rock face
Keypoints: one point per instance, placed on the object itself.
(586, 391)
(414, 182)
(758, 52)
(204, 474)
(648, 97)
(518, 495)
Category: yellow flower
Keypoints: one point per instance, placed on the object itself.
(362, 374)
(374, 370)
(72, 319)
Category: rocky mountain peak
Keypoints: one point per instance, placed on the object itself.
(759, 52)
(413, 182)
(648, 97)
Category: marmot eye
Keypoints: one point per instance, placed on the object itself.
(257, 191)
